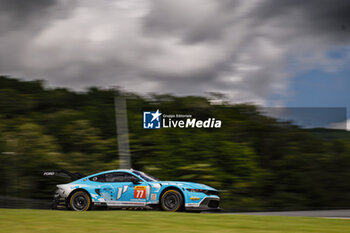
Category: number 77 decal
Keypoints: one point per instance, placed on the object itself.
(140, 192)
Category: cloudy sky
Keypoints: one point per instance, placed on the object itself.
(270, 52)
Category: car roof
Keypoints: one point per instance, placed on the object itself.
(115, 170)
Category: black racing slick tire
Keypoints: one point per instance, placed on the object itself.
(80, 201)
(172, 201)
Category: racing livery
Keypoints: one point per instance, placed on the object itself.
(131, 188)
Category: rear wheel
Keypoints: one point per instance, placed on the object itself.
(80, 201)
(172, 201)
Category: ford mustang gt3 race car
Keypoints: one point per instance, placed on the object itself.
(131, 188)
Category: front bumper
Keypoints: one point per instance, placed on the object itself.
(208, 204)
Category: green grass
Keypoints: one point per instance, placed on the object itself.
(50, 221)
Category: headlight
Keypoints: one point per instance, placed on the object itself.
(207, 192)
(196, 190)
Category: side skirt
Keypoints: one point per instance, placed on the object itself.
(126, 204)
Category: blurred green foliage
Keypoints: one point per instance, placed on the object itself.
(257, 162)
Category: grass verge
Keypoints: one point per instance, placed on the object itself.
(38, 221)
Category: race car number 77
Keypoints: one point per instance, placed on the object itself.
(140, 192)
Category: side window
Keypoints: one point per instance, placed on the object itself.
(115, 177)
(128, 177)
(99, 178)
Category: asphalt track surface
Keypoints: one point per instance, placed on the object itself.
(308, 213)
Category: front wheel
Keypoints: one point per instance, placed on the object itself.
(171, 201)
(80, 201)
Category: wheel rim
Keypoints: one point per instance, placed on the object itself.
(171, 201)
(80, 202)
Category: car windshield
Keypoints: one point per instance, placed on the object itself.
(145, 176)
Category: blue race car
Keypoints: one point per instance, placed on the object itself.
(131, 188)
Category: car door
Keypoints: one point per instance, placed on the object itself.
(126, 192)
(137, 193)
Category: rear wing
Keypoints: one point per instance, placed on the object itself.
(64, 173)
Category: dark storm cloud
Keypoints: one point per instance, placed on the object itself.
(199, 23)
(241, 48)
(329, 18)
(19, 13)
(20, 8)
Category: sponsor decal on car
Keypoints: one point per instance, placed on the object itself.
(49, 173)
(153, 197)
(140, 192)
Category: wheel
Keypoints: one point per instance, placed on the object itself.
(80, 201)
(171, 201)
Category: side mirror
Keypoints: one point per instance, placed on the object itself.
(135, 180)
